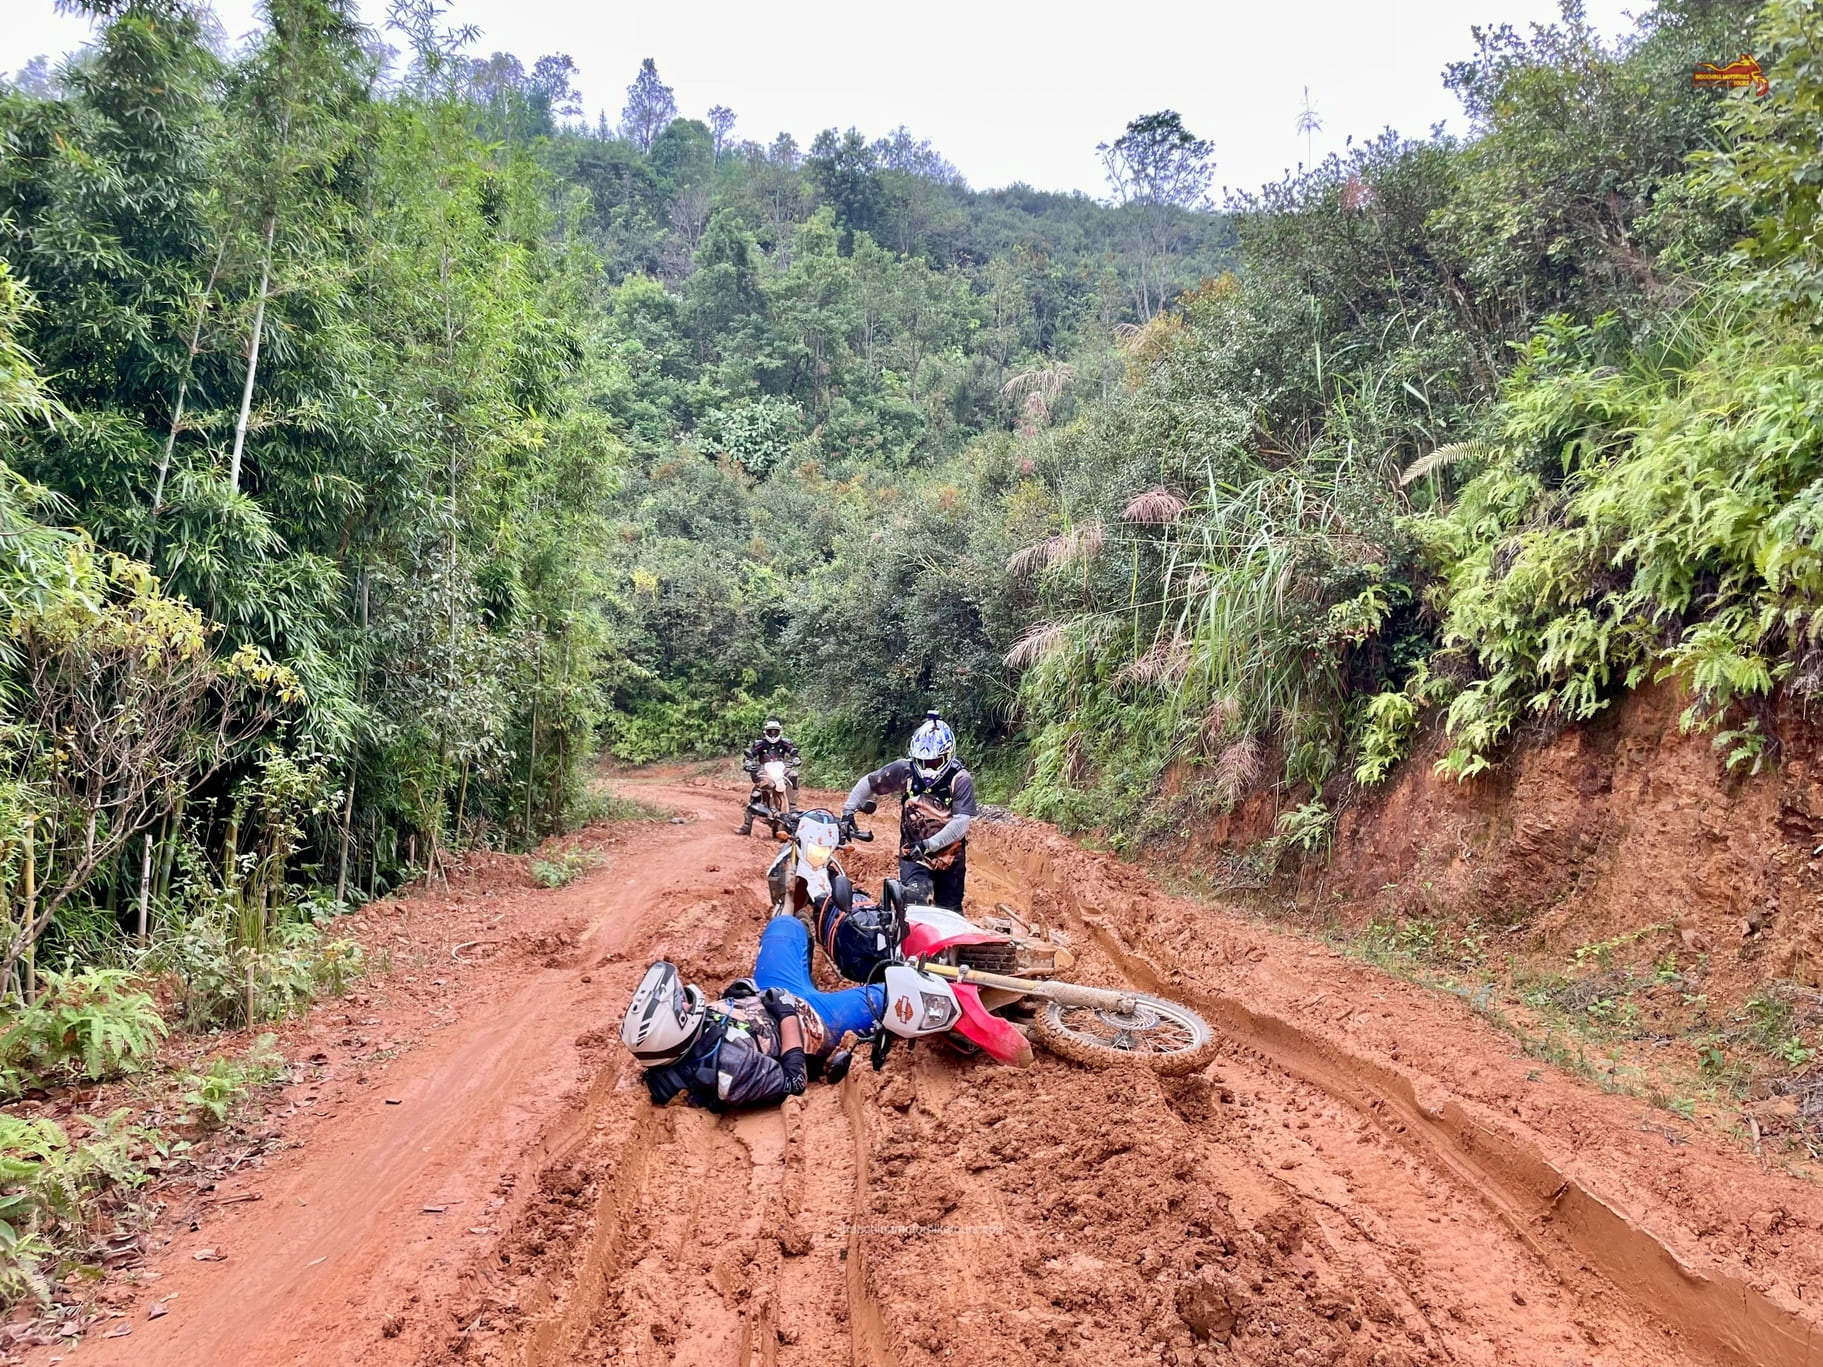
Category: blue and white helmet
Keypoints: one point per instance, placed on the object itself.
(933, 746)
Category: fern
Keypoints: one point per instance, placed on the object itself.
(1308, 827)
(214, 1095)
(1442, 458)
(93, 1024)
(1391, 720)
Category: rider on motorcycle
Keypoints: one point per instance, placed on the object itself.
(772, 745)
(759, 1043)
(938, 801)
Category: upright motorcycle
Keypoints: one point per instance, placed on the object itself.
(809, 867)
(774, 804)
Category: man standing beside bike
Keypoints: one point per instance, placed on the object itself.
(771, 746)
(938, 802)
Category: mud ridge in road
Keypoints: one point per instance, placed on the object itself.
(1538, 1202)
(1574, 1229)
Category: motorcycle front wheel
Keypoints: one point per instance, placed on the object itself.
(1169, 1039)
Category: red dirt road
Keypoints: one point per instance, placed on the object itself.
(1367, 1174)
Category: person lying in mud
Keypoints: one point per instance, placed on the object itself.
(764, 1039)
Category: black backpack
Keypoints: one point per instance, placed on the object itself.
(856, 932)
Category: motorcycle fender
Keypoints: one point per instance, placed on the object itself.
(996, 1036)
(815, 879)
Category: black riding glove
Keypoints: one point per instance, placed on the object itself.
(661, 1086)
(777, 1004)
(796, 1075)
(919, 850)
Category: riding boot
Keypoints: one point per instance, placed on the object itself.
(746, 826)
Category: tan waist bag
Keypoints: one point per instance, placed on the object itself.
(923, 818)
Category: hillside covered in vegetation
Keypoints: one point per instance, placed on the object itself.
(379, 439)
(382, 440)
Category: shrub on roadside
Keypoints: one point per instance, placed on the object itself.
(213, 968)
(215, 1094)
(88, 1025)
(49, 1186)
(598, 804)
(564, 868)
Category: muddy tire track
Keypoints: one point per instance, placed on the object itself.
(1587, 1241)
(712, 1242)
(1292, 1203)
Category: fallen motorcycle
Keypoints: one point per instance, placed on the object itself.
(948, 976)
(992, 971)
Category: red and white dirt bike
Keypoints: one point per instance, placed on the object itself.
(967, 980)
(999, 967)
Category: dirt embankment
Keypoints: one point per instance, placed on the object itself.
(1608, 828)
(1366, 1175)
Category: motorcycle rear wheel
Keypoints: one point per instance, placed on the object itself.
(1169, 1039)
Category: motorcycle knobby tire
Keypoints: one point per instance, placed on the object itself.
(1052, 1031)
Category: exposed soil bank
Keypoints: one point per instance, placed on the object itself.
(1621, 824)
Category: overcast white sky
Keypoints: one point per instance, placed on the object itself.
(1007, 91)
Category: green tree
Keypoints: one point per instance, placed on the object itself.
(650, 107)
(1157, 169)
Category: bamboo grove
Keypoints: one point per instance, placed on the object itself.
(303, 470)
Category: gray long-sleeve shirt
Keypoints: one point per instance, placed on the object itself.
(896, 778)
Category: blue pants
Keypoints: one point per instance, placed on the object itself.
(784, 962)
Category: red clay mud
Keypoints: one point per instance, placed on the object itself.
(1368, 1173)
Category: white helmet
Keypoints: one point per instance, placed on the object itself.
(933, 746)
(664, 1017)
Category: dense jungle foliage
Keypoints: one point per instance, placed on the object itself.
(1479, 435)
(382, 439)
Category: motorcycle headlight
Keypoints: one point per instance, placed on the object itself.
(817, 855)
(939, 1011)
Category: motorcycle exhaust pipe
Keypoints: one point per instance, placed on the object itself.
(1068, 994)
